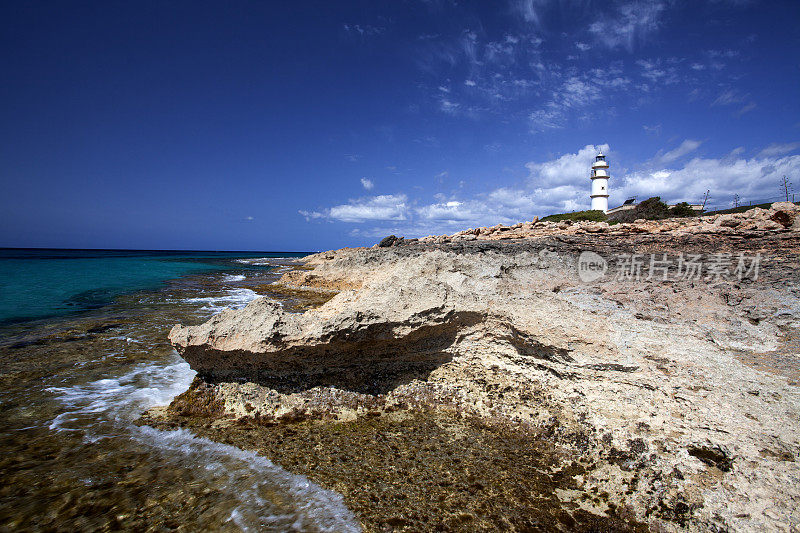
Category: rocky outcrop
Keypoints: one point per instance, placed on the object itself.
(678, 395)
(755, 222)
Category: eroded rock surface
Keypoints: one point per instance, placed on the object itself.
(679, 398)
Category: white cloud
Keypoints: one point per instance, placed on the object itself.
(746, 109)
(531, 9)
(779, 149)
(582, 46)
(652, 130)
(567, 169)
(383, 207)
(311, 215)
(452, 210)
(562, 184)
(573, 94)
(549, 118)
(727, 98)
(364, 31)
(367, 183)
(629, 23)
(688, 146)
(752, 179)
(503, 205)
(657, 73)
(448, 106)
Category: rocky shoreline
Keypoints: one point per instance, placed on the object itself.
(482, 380)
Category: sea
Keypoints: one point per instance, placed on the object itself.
(83, 352)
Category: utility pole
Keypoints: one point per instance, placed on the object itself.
(786, 185)
(735, 200)
(705, 199)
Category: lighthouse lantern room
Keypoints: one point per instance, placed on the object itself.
(600, 183)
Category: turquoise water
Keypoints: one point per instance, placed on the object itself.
(76, 378)
(44, 283)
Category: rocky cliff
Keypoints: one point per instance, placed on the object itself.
(664, 357)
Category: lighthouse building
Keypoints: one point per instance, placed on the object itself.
(600, 183)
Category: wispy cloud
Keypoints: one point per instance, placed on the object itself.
(686, 147)
(574, 93)
(363, 30)
(654, 130)
(367, 183)
(746, 109)
(531, 10)
(657, 72)
(728, 97)
(628, 24)
(779, 149)
(448, 106)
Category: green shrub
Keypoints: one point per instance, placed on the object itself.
(650, 209)
(682, 209)
(579, 216)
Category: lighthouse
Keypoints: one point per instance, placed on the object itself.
(600, 183)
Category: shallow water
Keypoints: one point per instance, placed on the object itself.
(71, 457)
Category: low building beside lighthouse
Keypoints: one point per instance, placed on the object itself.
(600, 183)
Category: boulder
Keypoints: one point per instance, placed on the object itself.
(784, 213)
(386, 242)
(788, 207)
(728, 221)
(768, 225)
(598, 227)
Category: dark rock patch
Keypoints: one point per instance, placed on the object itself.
(712, 456)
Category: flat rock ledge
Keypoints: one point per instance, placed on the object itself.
(679, 398)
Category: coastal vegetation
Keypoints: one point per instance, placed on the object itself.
(577, 216)
(654, 209)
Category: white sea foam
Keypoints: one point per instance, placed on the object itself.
(264, 261)
(251, 478)
(233, 278)
(233, 298)
(129, 340)
(245, 481)
(125, 397)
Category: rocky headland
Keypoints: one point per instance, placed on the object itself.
(541, 376)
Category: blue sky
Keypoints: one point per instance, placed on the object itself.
(312, 125)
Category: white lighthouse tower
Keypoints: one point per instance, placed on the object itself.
(600, 183)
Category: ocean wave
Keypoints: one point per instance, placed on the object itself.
(123, 397)
(251, 478)
(260, 494)
(233, 278)
(264, 261)
(234, 299)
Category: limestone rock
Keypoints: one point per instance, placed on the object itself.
(682, 395)
(728, 221)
